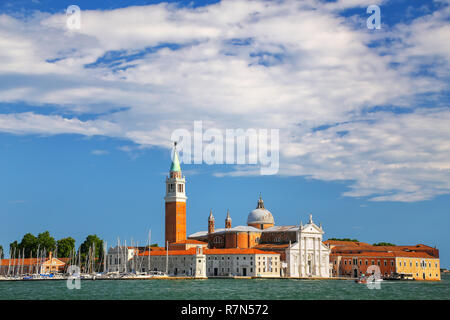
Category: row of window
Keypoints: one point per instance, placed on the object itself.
(423, 264)
(354, 261)
(366, 262)
(223, 270)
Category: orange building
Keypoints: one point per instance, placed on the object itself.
(352, 259)
(175, 203)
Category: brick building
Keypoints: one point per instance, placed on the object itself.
(352, 259)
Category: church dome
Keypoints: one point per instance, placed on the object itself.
(260, 216)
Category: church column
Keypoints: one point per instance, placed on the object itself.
(299, 256)
(306, 257)
(320, 257)
(314, 266)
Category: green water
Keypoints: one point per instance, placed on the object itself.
(224, 289)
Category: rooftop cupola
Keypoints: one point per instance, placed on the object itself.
(260, 218)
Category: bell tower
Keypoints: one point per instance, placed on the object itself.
(211, 223)
(175, 202)
(228, 220)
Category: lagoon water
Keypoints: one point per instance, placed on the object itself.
(224, 289)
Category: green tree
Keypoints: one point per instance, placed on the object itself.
(13, 249)
(28, 245)
(92, 241)
(45, 241)
(2, 254)
(384, 244)
(65, 247)
(344, 239)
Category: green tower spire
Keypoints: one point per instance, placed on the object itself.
(175, 167)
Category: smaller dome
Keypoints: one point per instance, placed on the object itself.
(260, 215)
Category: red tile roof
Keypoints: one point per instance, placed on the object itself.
(346, 243)
(19, 262)
(189, 241)
(192, 251)
(237, 251)
(385, 254)
(274, 246)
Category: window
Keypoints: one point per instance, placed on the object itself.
(385, 263)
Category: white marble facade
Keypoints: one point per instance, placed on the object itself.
(309, 256)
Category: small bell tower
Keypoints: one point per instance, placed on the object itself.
(210, 223)
(228, 220)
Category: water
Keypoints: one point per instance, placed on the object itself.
(224, 289)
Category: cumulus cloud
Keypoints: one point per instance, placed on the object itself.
(297, 66)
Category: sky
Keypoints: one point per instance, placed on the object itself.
(87, 115)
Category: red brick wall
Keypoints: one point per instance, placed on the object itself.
(346, 265)
(175, 221)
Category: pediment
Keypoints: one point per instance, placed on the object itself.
(311, 228)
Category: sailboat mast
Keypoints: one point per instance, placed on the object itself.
(167, 257)
(104, 256)
(125, 253)
(118, 255)
(149, 248)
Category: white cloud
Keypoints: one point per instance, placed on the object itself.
(100, 152)
(289, 65)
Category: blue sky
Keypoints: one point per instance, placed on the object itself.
(86, 116)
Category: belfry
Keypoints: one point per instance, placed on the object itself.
(175, 202)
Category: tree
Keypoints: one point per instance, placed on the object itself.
(384, 244)
(65, 247)
(28, 245)
(2, 254)
(45, 241)
(13, 249)
(344, 239)
(98, 246)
